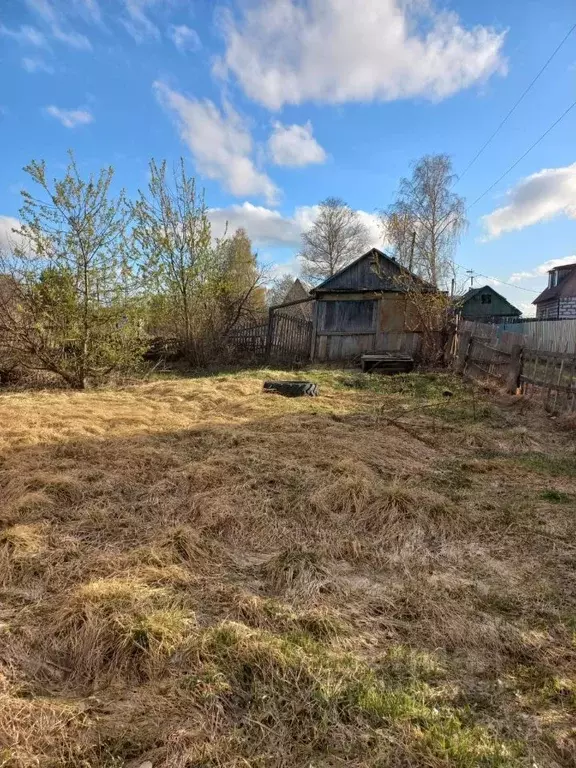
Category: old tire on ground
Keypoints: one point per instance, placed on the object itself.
(292, 388)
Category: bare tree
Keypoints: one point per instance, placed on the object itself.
(337, 237)
(424, 224)
(199, 287)
(279, 288)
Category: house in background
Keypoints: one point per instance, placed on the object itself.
(298, 292)
(485, 304)
(558, 300)
(364, 309)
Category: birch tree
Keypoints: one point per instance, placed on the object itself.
(173, 233)
(425, 222)
(335, 238)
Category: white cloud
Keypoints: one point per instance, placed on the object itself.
(55, 19)
(372, 223)
(265, 226)
(275, 270)
(25, 35)
(36, 65)
(90, 9)
(528, 310)
(294, 145)
(220, 143)
(335, 51)
(137, 22)
(268, 227)
(184, 38)
(542, 269)
(70, 118)
(7, 237)
(539, 197)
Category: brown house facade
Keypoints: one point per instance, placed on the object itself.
(363, 309)
(558, 300)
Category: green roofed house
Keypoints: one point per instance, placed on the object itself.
(485, 304)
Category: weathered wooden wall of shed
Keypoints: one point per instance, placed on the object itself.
(342, 347)
(391, 327)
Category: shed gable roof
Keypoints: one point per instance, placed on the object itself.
(487, 289)
(372, 271)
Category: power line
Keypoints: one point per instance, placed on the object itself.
(496, 279)
(491, 187)
(530, 148)
(516, 104)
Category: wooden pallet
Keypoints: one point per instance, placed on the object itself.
(388, 362)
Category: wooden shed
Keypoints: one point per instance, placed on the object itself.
(364, 309)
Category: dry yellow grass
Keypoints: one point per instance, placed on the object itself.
(195, 574)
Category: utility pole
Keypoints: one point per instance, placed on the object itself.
(471, 273)
(452, 285)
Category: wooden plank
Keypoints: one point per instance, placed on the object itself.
(515, 369)
(542, 384)
(560, 372)
(488, 360)
(543, 354)
(493, 349)
(345, 333)
(463, 351)
(546, 390)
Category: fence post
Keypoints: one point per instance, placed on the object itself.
(515, 369)
(463, 351)
(269, 334)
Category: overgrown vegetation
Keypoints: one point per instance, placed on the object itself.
(94, 280)
(94, 285)
(194, 573)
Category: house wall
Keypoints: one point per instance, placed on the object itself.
(568, 308)
(547, 310)
(557, 309)
(349, 325)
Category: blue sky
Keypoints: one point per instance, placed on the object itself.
(277, 104)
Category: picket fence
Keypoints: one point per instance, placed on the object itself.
(537, 359)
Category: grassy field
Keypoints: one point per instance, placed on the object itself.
(195, 574)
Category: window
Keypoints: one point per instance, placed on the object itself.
(348, 316)
(486, 298)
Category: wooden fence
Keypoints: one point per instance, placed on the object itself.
(551, 335)
(283, 338)
(511, 360)
(250, 341)
(289, 338)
